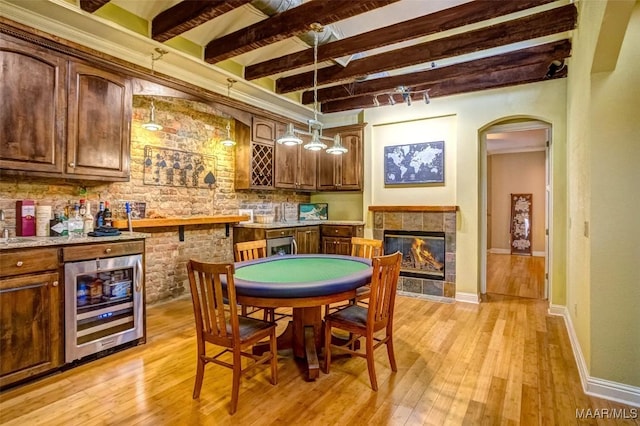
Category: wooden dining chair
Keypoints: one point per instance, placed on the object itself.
(360, 247)
(366, 321)
(219, 324)
(251, 250)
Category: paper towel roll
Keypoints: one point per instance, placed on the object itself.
(43, 216)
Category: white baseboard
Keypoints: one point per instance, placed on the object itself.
(467, 297)
(594, 386)
(538, 254)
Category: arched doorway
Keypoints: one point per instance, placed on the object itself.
(515, 158)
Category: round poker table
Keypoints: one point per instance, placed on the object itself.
(305, 283)
(301, 276)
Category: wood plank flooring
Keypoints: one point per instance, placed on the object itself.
(504, 361)
(511, 275)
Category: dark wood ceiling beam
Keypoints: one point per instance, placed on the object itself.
(473, 83)
(92, 5)
(189, 14)
(538, 25)
(287, 24)
(454, 17)
(543, 53)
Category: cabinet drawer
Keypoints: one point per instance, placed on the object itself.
(94, 251)
(337, 231)
(282, 232)
(28, 261)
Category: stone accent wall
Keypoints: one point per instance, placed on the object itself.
(427, 222)
(188, 126)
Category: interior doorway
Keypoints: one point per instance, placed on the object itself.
(515, 159)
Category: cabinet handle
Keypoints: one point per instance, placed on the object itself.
(19, 263)
(72, 164)
(281, 232)
(108, 250)
(55, 283)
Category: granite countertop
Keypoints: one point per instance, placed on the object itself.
(291, 224)
(27, 242)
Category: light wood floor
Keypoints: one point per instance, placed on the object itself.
(501, 362)
(521, 276)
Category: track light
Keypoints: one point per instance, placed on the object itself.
(425, 96)
(391, 100)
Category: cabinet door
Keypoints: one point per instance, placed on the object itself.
(308, 239)
(263, 130)
(98, 123)
(348, 173)
(32, 116)
(331, 245)
(286, 169)
(307, 164)
(30, 326)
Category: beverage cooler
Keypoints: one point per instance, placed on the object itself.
(103, 304)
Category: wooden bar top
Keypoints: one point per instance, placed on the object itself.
(177, 221)
(413, 208)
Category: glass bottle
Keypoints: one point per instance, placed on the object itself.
(100, 215)
(87, 220)
(108, 220)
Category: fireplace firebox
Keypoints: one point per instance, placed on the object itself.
(423, 253)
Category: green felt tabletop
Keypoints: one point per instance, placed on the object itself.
(308, 269)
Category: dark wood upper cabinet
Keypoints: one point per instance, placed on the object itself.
(254, 160)
(98, 142)
(61, 117)
(32, 117)
(296, 167)
(343, 172)
(263, 130)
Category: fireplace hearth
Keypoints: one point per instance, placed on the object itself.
(423, 253)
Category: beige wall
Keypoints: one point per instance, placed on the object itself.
(463, 118)
(516, 173)
(604, 152)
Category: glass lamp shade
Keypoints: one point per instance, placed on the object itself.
(315, 144)
(289, 138)
(337, 148)
(151, 124)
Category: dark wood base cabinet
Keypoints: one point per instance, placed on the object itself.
(336, 239)
(31, 314)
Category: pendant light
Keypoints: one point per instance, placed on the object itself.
(228, 141)
(151, 124)
(290, 136)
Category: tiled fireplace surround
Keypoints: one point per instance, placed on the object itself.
(428, 219)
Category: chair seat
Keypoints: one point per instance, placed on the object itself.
(353, 314)
(363, 292)
(250, 326)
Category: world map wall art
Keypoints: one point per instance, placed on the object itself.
(416, 163)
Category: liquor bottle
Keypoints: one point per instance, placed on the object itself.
(100, 215)
(87, 220)
(83, 208)
(55, 226)
(108, 220)
(75, 222)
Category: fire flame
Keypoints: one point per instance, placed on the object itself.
(422, 257)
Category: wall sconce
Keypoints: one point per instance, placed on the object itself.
(151, 124)
(228, 141)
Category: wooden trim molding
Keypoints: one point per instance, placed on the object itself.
(436, 209)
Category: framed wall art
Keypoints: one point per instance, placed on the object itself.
(521, 210)
(416, 163)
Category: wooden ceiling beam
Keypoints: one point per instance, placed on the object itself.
(542, 53)
(454, 17)
(541, 24)
(482, 81)
(189, 14)
(92, 5)
(285, 25)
